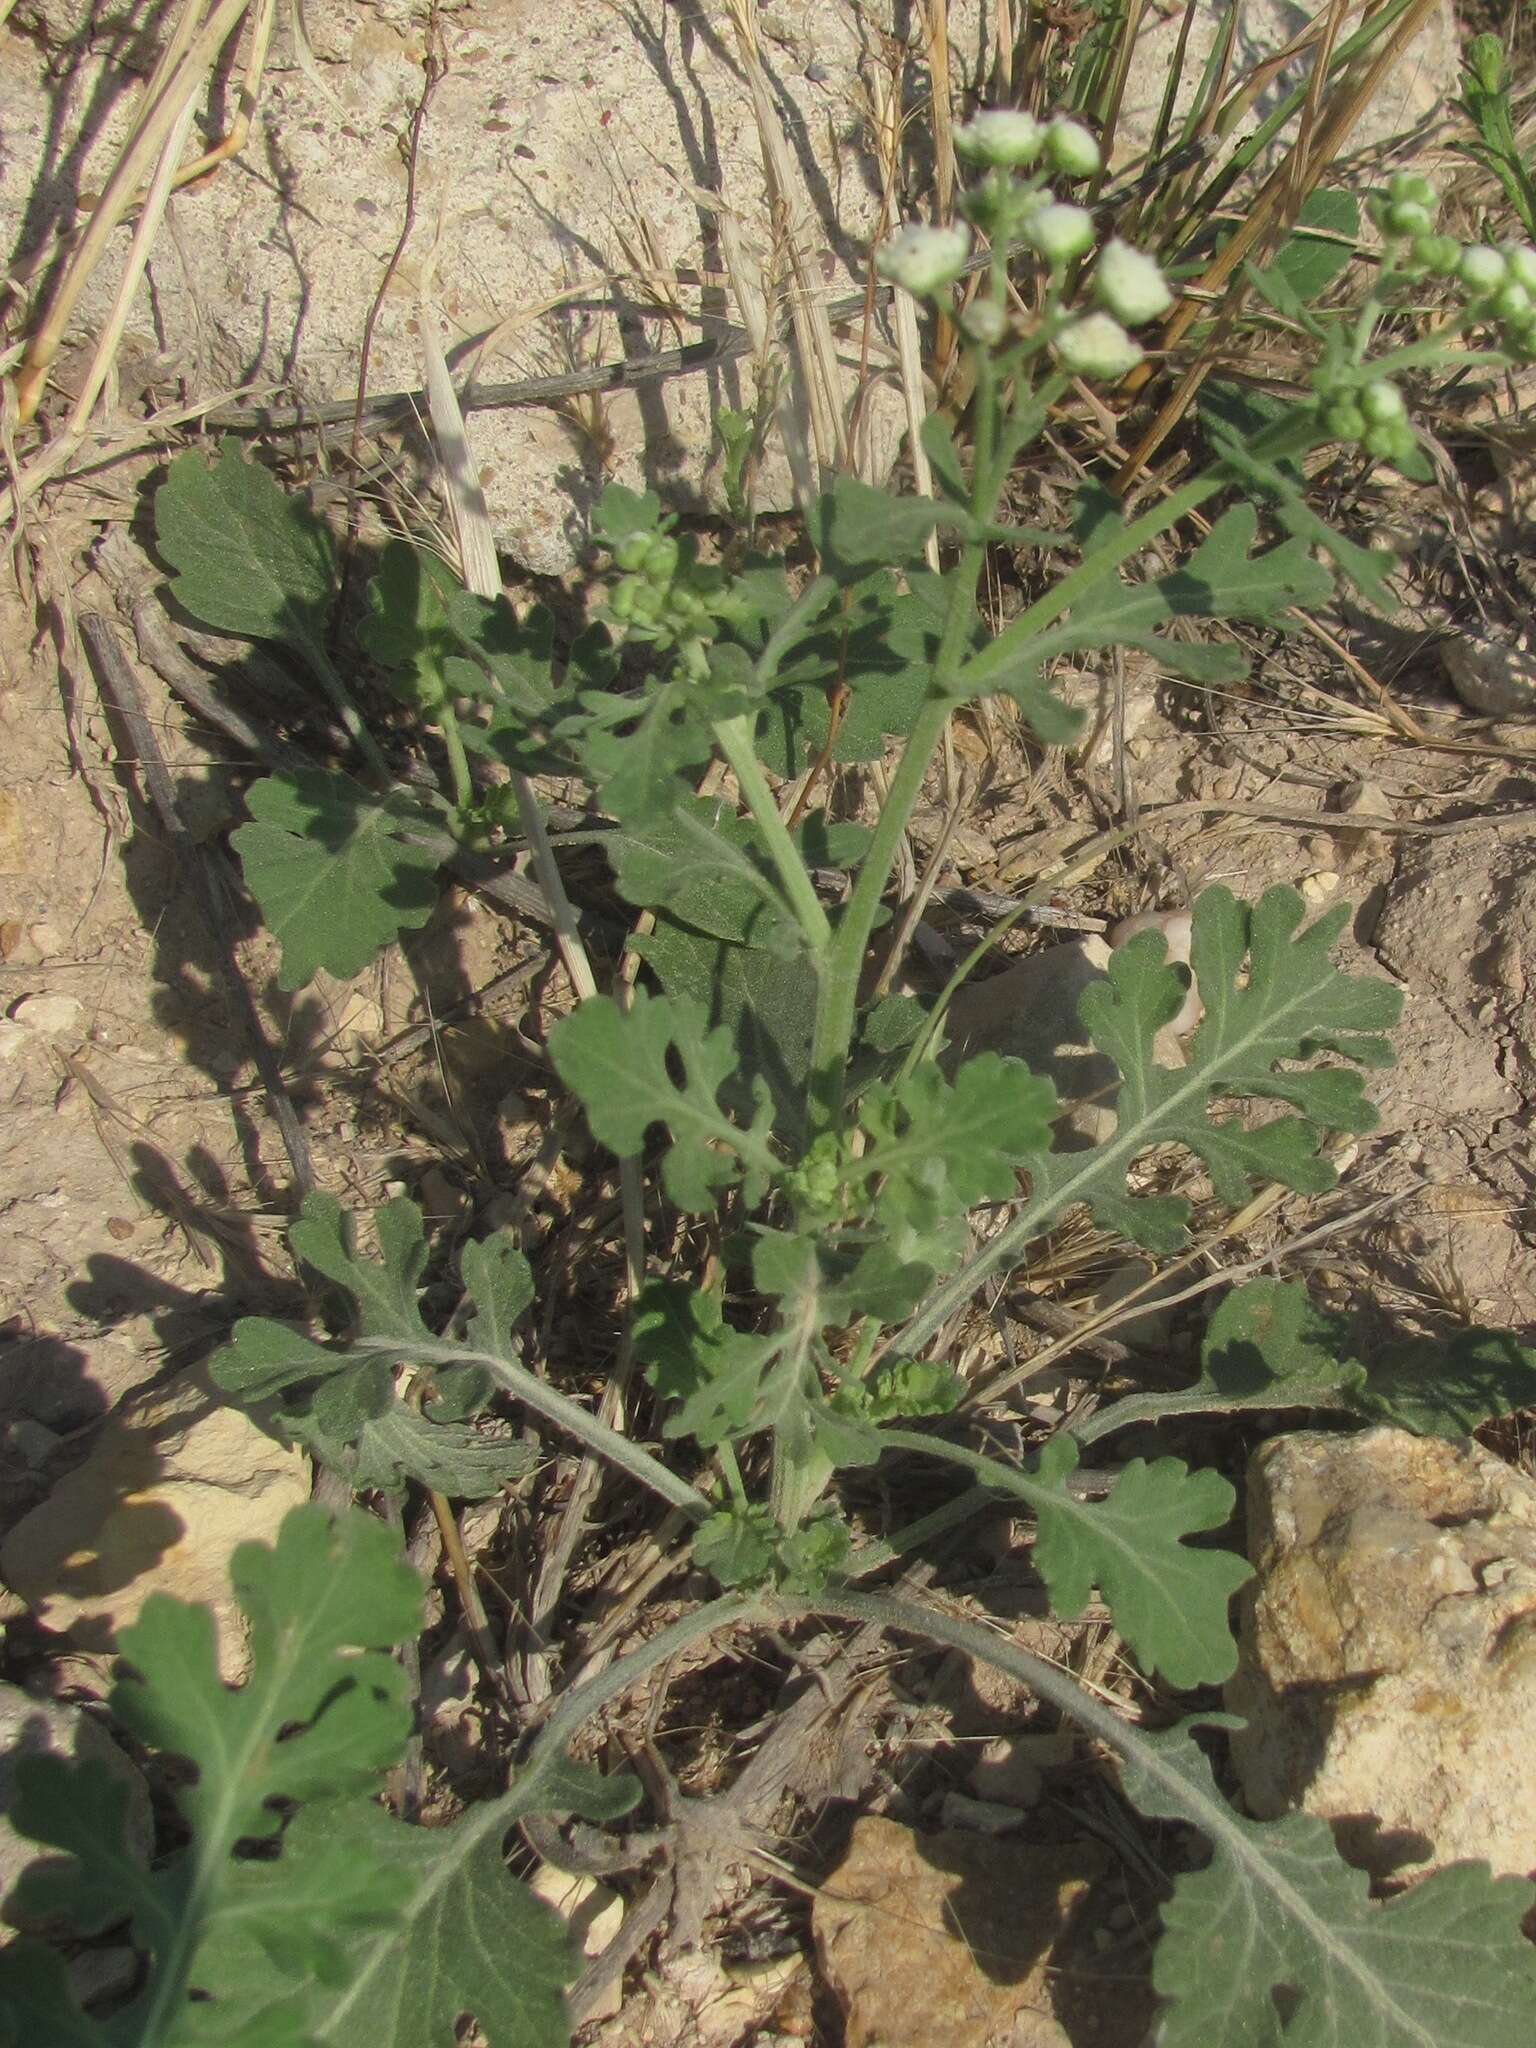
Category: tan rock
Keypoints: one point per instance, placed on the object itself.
(1029, 1012)
(49, 1016)
(1491, 676)
(174, 1481)
(948, 1938)
(1388, 1670)
(593, 1912)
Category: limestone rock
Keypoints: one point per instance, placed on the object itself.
(42, 1727)
(948, 1937)
(573, 172)
(1388, 1669)
(1029, 1013)
(1491, 676)
(174, 1481)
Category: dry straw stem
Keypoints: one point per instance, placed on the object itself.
(815, 351)
(1276, 204)
(185, 66)
(943, 120)
(750, 291)
(1130, 28)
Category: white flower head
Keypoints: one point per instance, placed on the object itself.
(985, 323)
(1130, 284)
(1481, 269)
(1521, 260)
(1059, 232)
(1096, 346)
(1071, 149)
(1382, 404)
(924, 260)
(1001, 138)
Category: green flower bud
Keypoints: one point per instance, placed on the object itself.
(622, 601)
(1096, 346)
(1060, 233)
(1382, 403)
(1510, 301)
(1344, 419)
(630, 550)
(924, 260)
(660, 563)
(1439, 254)
(1481, 269)
(1413, 188)
(1070, 149)
(1130, 285)
(1520, 258)
(1407, 217)
(1389, 443)
(1001, 138)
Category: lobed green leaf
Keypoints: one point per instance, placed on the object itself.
(337, 871)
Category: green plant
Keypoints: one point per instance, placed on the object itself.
(834, 1151)
(1485, 100)
(299, 1913)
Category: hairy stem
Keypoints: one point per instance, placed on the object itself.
(458, 760)
(555, 1407)
(737, 741)
(838, 995)
(987, 667)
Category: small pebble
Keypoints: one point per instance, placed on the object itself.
(48, 1016)
(978, 1816)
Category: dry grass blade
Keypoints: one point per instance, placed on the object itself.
(1278, 200)
(471, 523)
(943, 118)
(815, 350)
(752, 302)
(183, 71)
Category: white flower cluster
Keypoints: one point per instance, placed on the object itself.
(1004, 140)
(1128, 286)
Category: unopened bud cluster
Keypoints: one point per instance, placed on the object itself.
(1499, 284)
(662, 597)
(1128, 287)
(1374, 417)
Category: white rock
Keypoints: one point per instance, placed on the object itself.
(581, 157)
(1029, 1012)
(42, 1727)
(1005, 1772)
(1388, 1670)
(1491, 676)
(1177, 928)
(49, 1016)
(593, 1912)
(173, 1483)
(1317, 887)
(978, 1816)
